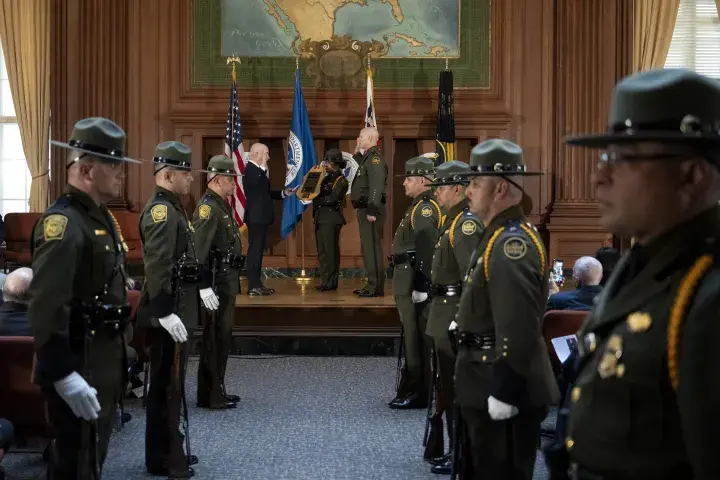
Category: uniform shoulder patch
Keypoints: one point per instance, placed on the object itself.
(515, 248)
(54, 227)
(159, 213)
(426, 211)
(468, 227)
(204, 211)
(376, 160)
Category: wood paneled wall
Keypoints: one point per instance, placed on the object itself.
(554, 63)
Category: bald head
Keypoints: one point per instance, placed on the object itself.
(259, 154)
(16, 286)
(588, 271)
(368, 138)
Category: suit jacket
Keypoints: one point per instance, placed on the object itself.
(14, 320)
(259, 195)
(580, 299)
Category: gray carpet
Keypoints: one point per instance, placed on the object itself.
(299, 418)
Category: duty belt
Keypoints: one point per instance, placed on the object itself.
(188, 272)
(473, 341)
(437, 290)
(362, 202)
(234, 260)
(402, 258)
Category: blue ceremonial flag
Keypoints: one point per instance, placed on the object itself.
(301, 158)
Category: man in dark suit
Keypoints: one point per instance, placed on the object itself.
(259, 214)
(13, 311)
(587, 273)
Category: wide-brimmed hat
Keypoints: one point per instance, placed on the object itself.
(419, 167)
(99, 137)
(335, 156)
(497, 157)
(174, 155)
(453, 172)
(661, 105)
(222, 165)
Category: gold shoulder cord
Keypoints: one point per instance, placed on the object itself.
(538, 245)
(685, 294)
(336, 181)
(117, 228)
(488, 249)
(451, 230)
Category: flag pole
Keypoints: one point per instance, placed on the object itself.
(303, 277)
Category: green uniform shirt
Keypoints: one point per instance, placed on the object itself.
(216, 231)
(327, 206)
(167, 237)
(656, 323)
(77, 255)
(370, 181)
(503, 296)
(460, 235)
(418, 232)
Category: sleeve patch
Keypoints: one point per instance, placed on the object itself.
(426, 212)
(159, 213)
(204, 211)
(515, 248)
(54, 227)
(468, 227)
(376, 160)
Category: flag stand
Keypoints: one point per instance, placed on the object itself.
(303, 277)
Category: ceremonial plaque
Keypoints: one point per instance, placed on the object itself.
(310, 187)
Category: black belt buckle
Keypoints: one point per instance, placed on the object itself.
(437, 290)
(112, 317)
(474, 341)
(189, 272)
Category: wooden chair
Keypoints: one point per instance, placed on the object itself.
(18, 230)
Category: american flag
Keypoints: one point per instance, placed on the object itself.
(234, 149)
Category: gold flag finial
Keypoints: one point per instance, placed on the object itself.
(368, 61)
(233, 60)
(297, 62)
(447, 63)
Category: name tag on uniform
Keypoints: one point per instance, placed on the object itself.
(100, 232)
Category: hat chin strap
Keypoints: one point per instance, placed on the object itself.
(507, 179)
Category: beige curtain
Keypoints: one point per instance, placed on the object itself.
(653, 30)
(25, 35)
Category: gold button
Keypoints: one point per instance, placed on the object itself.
(484, 357)
(504, 354)
(506, 339)
(575, 394)
(620, 371)
(444, 300)
(505, 347)
(569, 443)
(107, 247)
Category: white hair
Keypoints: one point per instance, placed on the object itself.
(16, 285)
(588, 271)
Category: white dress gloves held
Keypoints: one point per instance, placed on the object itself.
(211, 301)
(500, 410)
(174, 327)
(419, 297)
(79, 395)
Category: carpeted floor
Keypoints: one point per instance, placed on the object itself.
(299, 418)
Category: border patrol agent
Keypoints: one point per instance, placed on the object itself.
(219, 251)
(503, 378)
(78, 309)
(169, 309)
(329, 219)
(367, 195)
(412, 249)
(460, 235)
(646, 401)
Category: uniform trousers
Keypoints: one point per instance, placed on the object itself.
(371, 249)
(327, 239)
(216, 341)
(257, 242)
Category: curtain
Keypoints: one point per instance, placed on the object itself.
(653, 30)
(25, 36)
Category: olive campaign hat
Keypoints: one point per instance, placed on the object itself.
(453, 172)
(99, 137)
(222, 165)
(419, 167)
(334, 155)
(498, 157)
(173, 154)
(664, 105)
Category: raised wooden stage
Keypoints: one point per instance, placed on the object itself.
(297, 309)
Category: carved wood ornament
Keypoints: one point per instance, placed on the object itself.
(339, 61)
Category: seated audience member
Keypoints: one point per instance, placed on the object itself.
(608, 258)
(587, 273)
(13, 311)
(2, 283)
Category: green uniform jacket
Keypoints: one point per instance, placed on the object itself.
(504, 295)
(77, 255)
(626, 416)
(370, 181)
(216, 230)
(167, 237)
(327, 207)
(418, 232)
(460, 235)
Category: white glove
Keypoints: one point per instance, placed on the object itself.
(211, 301)
(418, 297)
(453, 326)
(500, 410)
(175, 327)
(80, 397)
(130, 284)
